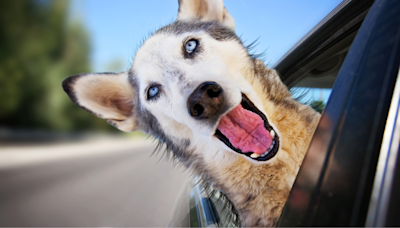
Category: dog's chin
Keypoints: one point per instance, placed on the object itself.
(247, 131)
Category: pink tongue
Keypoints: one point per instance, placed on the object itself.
(245, 130)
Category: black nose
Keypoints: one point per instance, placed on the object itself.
(205, 101)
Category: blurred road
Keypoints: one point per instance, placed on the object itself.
(97, 183)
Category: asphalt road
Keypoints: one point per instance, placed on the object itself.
(96, 184)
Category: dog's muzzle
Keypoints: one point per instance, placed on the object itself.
(205, 101)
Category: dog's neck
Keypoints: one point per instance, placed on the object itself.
(259, 191)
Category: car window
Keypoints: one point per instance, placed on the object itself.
(335, 182)
(317, 98)
(311, 67)
(314, 87)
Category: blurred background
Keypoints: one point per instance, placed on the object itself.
(61, 166)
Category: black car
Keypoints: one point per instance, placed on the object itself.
(350, 175)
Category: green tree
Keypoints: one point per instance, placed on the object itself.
(38, 49)
(318, 106)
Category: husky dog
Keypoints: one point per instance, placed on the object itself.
(227, 117)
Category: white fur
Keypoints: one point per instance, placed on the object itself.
(224, 62)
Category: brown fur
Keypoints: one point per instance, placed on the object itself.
(204, 10)
(259, 192)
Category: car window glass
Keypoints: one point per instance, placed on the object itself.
(317, 98)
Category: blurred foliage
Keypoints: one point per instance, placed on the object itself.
(39, 47)
(115, 65)
(318, 106)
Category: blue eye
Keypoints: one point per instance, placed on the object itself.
(153, 91)
(191, 46)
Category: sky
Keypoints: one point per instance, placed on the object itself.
(117, 27)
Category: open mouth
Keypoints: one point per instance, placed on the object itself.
(246, 130)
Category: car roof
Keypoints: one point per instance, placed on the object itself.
(316, 59)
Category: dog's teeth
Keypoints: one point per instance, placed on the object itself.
(266, 152)
(254, 155)
(272, 133)
(272, 145)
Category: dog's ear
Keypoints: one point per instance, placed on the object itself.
(205, 10)
(107, 95)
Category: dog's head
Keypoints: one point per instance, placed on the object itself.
(190, 86)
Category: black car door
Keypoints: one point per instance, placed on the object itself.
(338, 176)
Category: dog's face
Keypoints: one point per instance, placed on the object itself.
(187, 86)
(170, 66)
